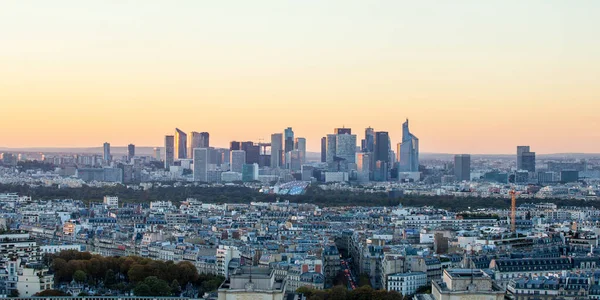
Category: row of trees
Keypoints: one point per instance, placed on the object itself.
(239, 194)
(147, 277)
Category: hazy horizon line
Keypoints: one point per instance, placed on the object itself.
(71, 149)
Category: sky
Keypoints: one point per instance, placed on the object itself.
(472, 76)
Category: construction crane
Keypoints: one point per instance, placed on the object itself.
(513, 210)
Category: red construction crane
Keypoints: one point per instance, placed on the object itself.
(513, 210)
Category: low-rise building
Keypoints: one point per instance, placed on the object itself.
(406, 283)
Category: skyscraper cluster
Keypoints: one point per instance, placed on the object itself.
(374, 159)
(285, 151)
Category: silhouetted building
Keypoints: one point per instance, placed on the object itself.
(525, 159)
(382, 146)
(368, 144)
(324, 149)
(107, 157)
(288, 134)
(235, 146)
(342, 130)
(252, 152)
(130, 151)
(169, 151)
(462, 167)
(198, 140)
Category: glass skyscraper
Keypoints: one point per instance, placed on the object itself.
(409, 151)
(180, 144)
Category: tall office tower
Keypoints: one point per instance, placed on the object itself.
(180, 144)
(409, 151)
(238, 159)
(288, 135)
(525, 159)
(363, 166)
(381, 148)
(293, 160)
(276, 149)
(324, 149)
(300, 145)
(331, 148)
(368, 144)
(169, 151)
(198, 140)
(200, 164)
(130, 151)
(235, 145)
(252, 152)
(204, 139)
(462, 167)
(107, 157)
(345, 147)
(342, 130)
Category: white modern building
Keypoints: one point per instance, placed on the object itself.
(406, 283)
(111, 201)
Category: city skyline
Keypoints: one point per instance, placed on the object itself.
(472, 77)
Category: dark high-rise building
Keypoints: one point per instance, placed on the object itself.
(169, 151)
(107, 157)
(197, 140)
(252, 152)
(368, 144)
(130, 151)
(324, 149)
(288, 135)
(276, 150)
(180, 144)
(235, 146)
(381, 147)
(342, 130)
(525, 159)
(264, 160)
(462, 167)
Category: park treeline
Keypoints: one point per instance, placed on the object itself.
(146, 277)
(240, 194)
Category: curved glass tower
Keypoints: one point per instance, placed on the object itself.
(409, 150)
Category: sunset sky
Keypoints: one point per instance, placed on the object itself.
(472, 76)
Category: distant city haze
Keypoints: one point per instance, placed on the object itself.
(472, 76)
